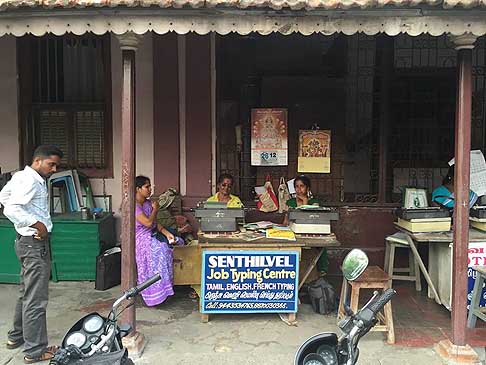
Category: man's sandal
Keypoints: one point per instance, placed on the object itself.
(46, 355)
(12, 345)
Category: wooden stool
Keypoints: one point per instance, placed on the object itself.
(398, 240)
(373, 278)
(475, 311)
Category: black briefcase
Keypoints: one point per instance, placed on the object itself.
(108, 271)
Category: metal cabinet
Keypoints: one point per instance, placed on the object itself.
(75, 244)
(9, 264)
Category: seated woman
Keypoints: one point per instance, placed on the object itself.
(152, 255)
(225, 183)
(304, 196)
(444, 194)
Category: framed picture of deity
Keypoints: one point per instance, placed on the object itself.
(314, 151)
(269, 137)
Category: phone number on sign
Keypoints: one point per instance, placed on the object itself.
(216, 305)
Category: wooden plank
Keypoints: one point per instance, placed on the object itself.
(372, 274)
(422, 267)
(309, 267)
(319, 241)
(249, 246)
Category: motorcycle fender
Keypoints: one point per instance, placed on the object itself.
(312, 343)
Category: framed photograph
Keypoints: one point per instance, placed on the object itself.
(415, 198)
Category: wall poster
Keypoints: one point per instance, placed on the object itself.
(269, 145)
(314, 151)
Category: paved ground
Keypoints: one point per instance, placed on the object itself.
(176, 335)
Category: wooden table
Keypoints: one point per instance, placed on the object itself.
(439, 273)
(188, 259)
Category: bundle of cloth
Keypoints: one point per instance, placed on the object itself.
(172, 218)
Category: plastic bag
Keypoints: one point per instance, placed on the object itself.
(268, 201)
(283, 196)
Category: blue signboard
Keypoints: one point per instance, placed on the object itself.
(476, 257)
(249, 281)
(471, 278)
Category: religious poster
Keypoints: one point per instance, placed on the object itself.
(269, 144)
(314, 151)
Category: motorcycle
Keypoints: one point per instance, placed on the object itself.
(95, 339)
(326, 348)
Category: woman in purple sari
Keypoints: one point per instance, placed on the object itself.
(152, 255)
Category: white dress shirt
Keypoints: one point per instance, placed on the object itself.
(25, 201)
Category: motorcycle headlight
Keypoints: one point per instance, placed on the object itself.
(314, 359)
(328, 354)
(93, 324)
(77, 339)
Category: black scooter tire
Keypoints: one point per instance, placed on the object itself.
(127, 361)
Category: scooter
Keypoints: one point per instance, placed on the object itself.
(326, 348)
(95, 339)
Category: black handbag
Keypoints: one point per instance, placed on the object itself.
(108, 271)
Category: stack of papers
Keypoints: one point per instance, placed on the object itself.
(477, 179)
(258, 225)
(250, 236)
(310, 207)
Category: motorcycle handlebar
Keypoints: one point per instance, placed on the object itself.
(136, 290)
(379, 303)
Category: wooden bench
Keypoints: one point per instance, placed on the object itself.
(373, 278)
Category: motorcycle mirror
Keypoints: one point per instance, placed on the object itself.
(354, 264)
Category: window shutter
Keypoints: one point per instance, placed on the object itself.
(90, 139)
(52, 127)
(69, 101)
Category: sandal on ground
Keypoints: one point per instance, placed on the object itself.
(12, 345)
(46, 355)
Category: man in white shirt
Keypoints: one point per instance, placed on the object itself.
(25, 202)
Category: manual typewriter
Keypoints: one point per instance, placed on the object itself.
(423, 213)
(477, 217)
(312, 220)
(217, 217)
(428, 219)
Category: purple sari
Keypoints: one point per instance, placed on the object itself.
(153, 257)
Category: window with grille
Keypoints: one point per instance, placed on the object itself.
(344, 78)
(66, 99)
